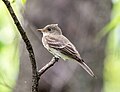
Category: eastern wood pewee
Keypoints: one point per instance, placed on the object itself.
(60, 46)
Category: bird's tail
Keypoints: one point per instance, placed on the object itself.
(84, 66)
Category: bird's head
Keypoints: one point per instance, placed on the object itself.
(51, 29)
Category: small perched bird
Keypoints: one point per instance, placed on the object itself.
(60, 46)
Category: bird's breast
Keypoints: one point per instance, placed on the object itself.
(44, 41)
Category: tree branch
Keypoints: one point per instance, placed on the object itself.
(28, 46)
(47, 66)
(35, 74)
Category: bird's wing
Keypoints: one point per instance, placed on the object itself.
(63, 45)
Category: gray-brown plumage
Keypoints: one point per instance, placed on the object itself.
(60, 46)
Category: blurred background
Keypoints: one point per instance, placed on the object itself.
(93, 26)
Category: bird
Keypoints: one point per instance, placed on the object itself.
(57, 44)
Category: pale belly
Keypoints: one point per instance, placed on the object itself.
(58, 54)
(54, 52)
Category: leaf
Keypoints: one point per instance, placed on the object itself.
(23, 1)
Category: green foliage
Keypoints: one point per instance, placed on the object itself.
(115, 20)
(23, 1)
(9, 46)
(112, 52)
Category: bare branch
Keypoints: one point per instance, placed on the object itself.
(47, 66)
(28, 46)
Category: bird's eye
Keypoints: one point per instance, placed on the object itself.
(49, 29)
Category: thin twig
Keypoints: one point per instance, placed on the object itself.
(47, 66)
(28, 46)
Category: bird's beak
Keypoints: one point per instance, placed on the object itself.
(40, 30)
